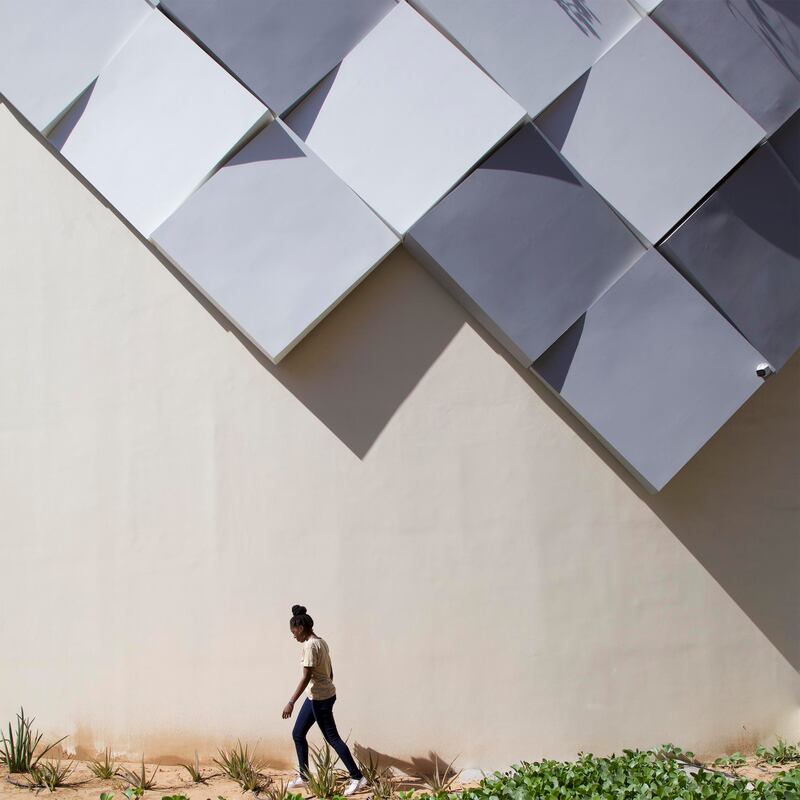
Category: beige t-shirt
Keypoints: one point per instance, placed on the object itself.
(317, 656)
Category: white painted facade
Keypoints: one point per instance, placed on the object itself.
(491, 583)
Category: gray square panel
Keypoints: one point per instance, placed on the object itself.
(786, 143)
(275, 240)
(534, 50)
(752, 47)
(279, 49)
(652, 369)
(524, 244)
(649, 129)
(51, 50)
(741, 247)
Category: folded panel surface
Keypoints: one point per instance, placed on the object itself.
(751, 47)
(741, 247)
(533, 50)
(404, 117)
(649, 129)
(155, 123)
(275, 240)
(653, 369)
(51, 50)
(279, 48)
(525, 244)
(786, 143)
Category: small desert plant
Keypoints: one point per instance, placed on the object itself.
(676, 753)
(380, 781)
(18, 749)
(440, 782)
(133, 792)
(139, 780)
(254, 781)
(195, 773)
(243, 767)
(280, 791)
(175, 797)
(106, 795)
(733, 761)
(781, 753)
(49, 775)
(107, 768)
(383, 787)
(370, 769)
(324, 780)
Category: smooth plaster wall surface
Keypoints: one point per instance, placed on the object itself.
(491, 582)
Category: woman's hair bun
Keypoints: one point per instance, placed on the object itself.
(298, 610)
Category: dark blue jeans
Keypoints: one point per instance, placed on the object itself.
(321, 712)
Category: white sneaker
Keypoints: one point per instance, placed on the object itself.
(355, 785)
(297, 782)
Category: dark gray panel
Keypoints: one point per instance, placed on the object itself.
(279, 48)
(749, 46)
(742, 249)
(525, 244)
(653, 369)
(786, 142)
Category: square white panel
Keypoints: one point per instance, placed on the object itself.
(275, 240)
(533, 50)
(51, 50)
(653, 369)
(649, 129)
(155, 123)
(404, 116)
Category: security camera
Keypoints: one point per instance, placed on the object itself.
(764, 370)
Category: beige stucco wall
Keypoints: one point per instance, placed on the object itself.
(491, 583)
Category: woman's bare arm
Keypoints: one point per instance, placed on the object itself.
(301, 687)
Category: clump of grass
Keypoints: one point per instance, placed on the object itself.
(242, 766)
(139, 780)
(781, 753)
(18, 749)
(440, 782)
(195, 773)
(324, 780)
(49, 775)
(105, 769)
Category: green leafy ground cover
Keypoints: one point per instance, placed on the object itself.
(634, 775)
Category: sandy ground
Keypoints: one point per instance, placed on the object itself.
(172, 780)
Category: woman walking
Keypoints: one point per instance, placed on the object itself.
(318, 706)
